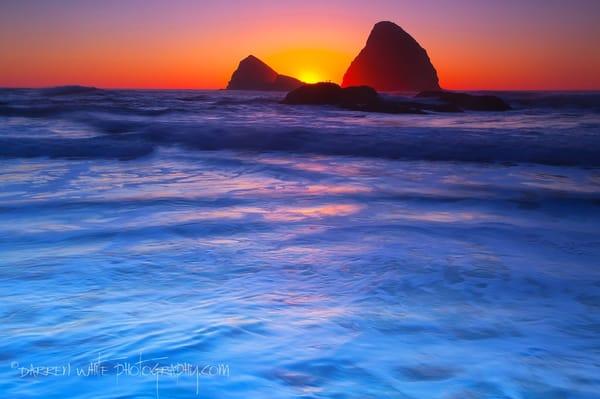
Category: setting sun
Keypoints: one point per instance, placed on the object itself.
(310, 77)
(310, 65)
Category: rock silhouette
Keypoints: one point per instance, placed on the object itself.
(392, 61)
(468, 101)
(366, 99)
(67, 90)
(326, 93)
(356, 98)
(253, 74)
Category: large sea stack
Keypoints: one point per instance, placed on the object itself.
(253, 74)
(392, 61)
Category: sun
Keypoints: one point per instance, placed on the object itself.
(310, 77)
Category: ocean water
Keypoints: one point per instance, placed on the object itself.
(182, 244)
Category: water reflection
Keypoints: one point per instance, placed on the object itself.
(314, 277)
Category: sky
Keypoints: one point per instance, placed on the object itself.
(474, 44)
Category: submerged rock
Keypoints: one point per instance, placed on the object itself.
(468, 101)
(253, 74)
(392, 60)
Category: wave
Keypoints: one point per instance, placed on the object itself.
(409, 144)
(84, 148)
(572, 100)
(247, 101)
(133, 140)
(58, 110)
(199, 97)
(132, 124)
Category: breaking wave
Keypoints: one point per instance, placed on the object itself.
(130, 140)
(132, 124)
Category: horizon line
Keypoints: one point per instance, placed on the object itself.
(283, 91)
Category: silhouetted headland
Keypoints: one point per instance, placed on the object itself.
(392, 61)
(253, 74)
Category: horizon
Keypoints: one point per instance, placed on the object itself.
(561, 91)
(190, 46)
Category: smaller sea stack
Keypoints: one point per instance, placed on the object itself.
(253, 74)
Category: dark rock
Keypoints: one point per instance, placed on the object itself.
(253, 74)
(359, 96)
(69, 90)
(332, 94)
(366, 99)
(392, 61)
(315, 94)
(468, 101)
(356, 98)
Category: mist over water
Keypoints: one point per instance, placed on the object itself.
(308, 251)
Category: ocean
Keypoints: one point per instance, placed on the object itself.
(217, 244)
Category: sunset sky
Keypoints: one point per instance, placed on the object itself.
(474, 44)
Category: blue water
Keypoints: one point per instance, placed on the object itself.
(237, 247)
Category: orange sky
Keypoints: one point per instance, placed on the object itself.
(474, 44)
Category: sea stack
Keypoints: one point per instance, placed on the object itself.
(392, 60)
(253, 74)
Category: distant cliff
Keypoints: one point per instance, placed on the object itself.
(392, 61)
(253, 74)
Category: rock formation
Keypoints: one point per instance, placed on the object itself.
(68, 90)
(356, 98)
(253, 74)
(366, 99)
(467, 101)
(392, 61)
(326, 93)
